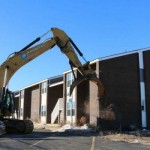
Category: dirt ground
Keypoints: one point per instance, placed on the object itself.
(131, 137)
(51, 127)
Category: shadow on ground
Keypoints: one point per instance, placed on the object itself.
(47, 133)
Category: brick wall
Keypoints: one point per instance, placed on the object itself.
(146, 55)
(27, 103)
(121, 79)
(35, 103)
(54, 93)
(86, 100)
(16, 105)
(83, 108)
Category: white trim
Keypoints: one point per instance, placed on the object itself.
(17, 95)
(69, 71)
(142, 91)
(124, 53)
(55, 77)
(34, 84)
(117, 55)
(114, 56)
(143, 104)
(55, 84)
(91, 62)
(94, 61)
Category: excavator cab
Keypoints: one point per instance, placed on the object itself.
(7, 101)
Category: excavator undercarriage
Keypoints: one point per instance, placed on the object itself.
(18, 126)
(11, 124)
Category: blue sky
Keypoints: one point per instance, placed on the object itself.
(98, 27)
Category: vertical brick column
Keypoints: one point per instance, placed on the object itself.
(94, 103)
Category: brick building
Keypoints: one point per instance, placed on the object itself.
(126, 78)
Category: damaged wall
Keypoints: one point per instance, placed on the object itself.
(120, 76)
(54, 93)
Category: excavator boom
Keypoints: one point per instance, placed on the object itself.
(28, 53)
(19, 59)
(61, 39)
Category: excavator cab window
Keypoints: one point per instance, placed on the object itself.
(7, 101)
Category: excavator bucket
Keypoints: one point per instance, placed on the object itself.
(92, 78)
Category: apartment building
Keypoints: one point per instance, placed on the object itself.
(126, 78)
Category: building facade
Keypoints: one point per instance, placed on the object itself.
(126, 78)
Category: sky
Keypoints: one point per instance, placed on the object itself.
(98, 27)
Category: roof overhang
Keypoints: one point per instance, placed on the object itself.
(55, 84)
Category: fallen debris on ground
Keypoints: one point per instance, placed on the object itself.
(2, 128)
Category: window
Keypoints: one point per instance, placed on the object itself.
(71, 112)
(22, 94)
(44, 87)
(70, 107)
(69, 79)
(43, 110)
(21, 111)
(70, 101)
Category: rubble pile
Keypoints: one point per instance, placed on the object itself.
(77, 130)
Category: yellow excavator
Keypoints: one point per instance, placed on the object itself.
(17, 59)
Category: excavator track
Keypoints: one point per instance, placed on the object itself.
(18, 126)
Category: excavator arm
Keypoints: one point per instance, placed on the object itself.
(19, 59)
(67, 47)
(61, 39)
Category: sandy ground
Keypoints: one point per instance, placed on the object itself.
(51, 127)
(128, 138)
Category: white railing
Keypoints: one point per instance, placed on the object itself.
(58, 107)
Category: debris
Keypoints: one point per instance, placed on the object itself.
(2, 128)
(73, 130)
